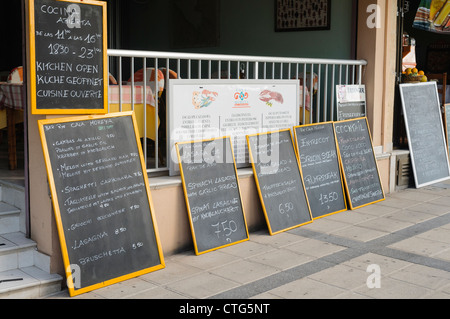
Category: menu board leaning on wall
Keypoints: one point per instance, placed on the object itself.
(68, 58)
(101, 199)
(213, 198)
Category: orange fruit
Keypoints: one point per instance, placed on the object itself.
(415, 70)
(421, 73)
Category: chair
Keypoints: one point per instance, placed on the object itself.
(441, 79)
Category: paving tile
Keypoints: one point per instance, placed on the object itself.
(437, 234)
(385, 224)
(247, 249)
(158, 293)
(409, 216)
(387, 265)
(124, 289)
(325, 225)
(205, 261)
(278, 241)
(351, 217)
(430, 208)
(421, 246)
(315, 248)
(378, 209)
(244, 271)
(202, 285)
(307, 288)
(282, 259)
(416, 195)
(342, 276)
(172, 272)
(362, 234)
(423, 276)
(398, 202)
(394, 289)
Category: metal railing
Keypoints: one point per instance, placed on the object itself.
(318, 101)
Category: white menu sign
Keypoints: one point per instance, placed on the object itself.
(204, 109)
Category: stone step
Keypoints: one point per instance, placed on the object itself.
(16, 251)
(9, 218)
(28, 283)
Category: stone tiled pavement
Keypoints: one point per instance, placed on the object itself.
(407, 236)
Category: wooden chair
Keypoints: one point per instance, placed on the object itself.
(442, 79)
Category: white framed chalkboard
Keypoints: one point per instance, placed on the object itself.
(279, 180)
(101, 199)
(321, 168)
(212, 194)
(425, 132)
(68, 58)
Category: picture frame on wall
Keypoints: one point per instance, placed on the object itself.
(302, 15)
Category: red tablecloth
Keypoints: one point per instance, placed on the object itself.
(11, 96)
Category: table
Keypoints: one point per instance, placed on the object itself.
(121, 98)
(11, 99)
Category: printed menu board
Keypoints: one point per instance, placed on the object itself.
(68, 61)
(204, 109)
(101, 199)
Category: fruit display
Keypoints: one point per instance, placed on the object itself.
(411, 75)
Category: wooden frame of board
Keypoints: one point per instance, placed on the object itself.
(338, 160)
(343, 168)
(447, 124)
(266, 216)
(57, 212)
(185, 191)
(32, 45)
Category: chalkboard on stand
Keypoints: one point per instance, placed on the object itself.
(101, 199)
(359, 165)
(213, 198)
(68, 58)
(319, 160)
(279, 180)
(424, 128)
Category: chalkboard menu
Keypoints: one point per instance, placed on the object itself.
(316, 146)
(279, 181)
(101, 199)
(213, 198)
(68, 57)
(362, 180)
(423, 121)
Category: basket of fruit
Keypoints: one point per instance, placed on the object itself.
(413, 76)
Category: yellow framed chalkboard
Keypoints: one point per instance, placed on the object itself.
(212, 194)
(358, 161)
(322, 174)
(279, 180)
(68, 57)
(101, 199)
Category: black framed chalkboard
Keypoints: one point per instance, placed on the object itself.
(101, 199)
(213, 198)
(359, 165)
(279, 180)
(68, 57)
(319, 160)
(425, 131)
